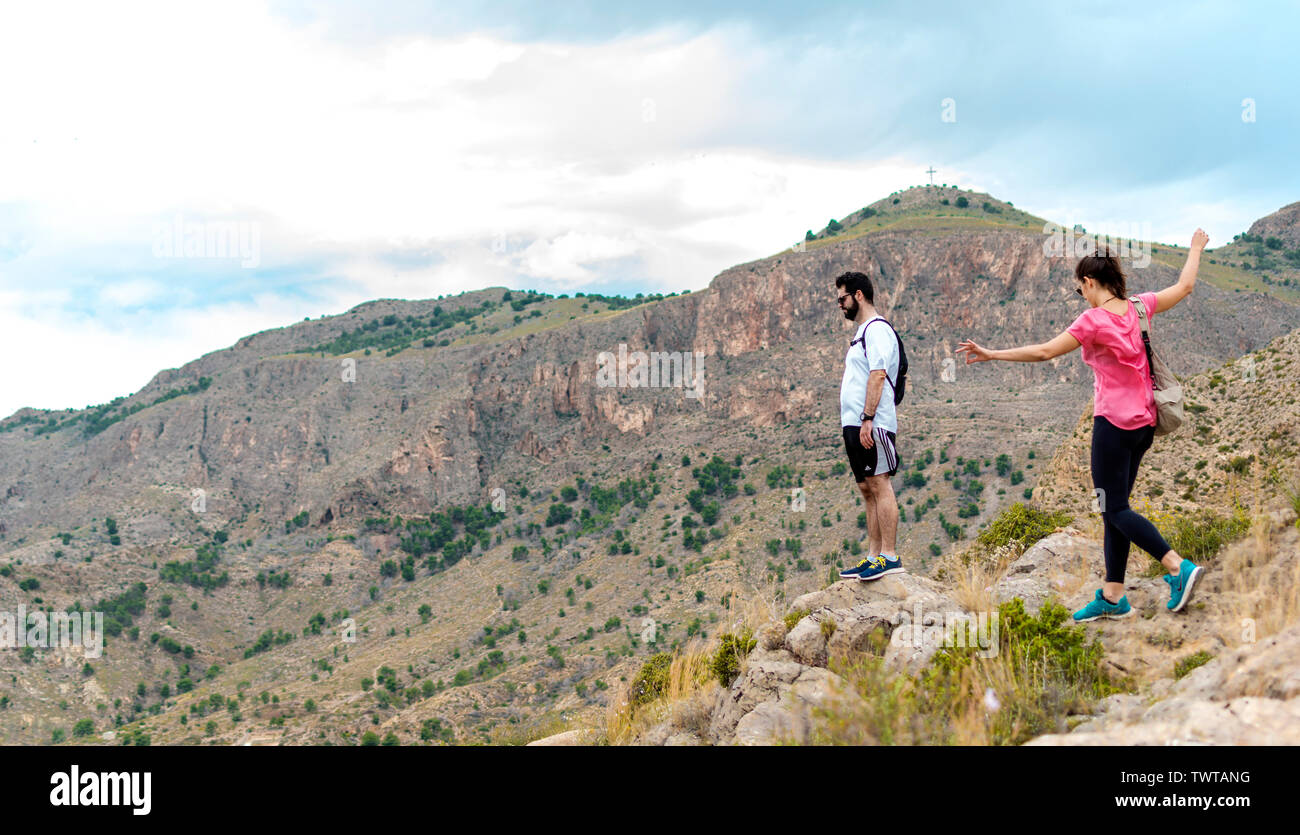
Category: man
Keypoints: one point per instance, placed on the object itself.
(870, 422)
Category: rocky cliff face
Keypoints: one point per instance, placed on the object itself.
(333, 421)
(1283, 224)
(279, 431)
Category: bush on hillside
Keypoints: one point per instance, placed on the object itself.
(731, 650)
(1022, 525)
(651, 681)
(1199, 536)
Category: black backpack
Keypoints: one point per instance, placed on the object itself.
(899, 386)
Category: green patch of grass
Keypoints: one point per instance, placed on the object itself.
(1191, 662)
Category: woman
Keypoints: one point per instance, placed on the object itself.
(1124, 415)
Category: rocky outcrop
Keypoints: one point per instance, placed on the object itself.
(1250, 696)
(786, 681)
(1246, 695)
(774, 699)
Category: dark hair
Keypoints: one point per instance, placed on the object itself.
(1103, 268)
(853, 282)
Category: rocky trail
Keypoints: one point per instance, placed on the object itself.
(1248, 692)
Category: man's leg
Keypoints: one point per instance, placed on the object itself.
(873, 527)
(882, 490)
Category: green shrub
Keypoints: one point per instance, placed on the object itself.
(726, 661)
(651, 681)
(1058, 663)
(1199, 536)
(1022, 525)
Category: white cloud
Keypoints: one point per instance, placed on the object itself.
(566, 257)
(70, 361)
(391, 165)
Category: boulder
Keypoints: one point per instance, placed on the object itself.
(1051, 568)
(789, 718)
(807, 642)
(764, 678)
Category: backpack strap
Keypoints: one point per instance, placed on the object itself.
(863, 342)
(1146, 336)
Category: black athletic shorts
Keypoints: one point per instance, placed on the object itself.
(880, 459)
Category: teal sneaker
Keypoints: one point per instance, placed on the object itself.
(1100, 607)
(1180, 585)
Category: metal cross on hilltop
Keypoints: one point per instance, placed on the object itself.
(930, 171)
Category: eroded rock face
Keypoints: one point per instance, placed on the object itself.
(280, 428)
(789, 717)
(766, 673)
(1284, 224)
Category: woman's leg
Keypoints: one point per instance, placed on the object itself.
(1170, 559)
(1110, 475)
(1133, 525)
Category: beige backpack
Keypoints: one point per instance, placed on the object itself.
(1168, 391)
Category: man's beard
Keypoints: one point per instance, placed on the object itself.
(851, 310)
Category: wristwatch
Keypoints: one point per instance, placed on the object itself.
(864, 417)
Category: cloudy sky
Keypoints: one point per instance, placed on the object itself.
(412, 149)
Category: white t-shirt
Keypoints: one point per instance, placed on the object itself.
(880, 350)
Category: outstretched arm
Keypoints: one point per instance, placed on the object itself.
(1062, 344)
(1175, 293)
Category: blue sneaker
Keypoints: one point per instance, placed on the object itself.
(1180, 585)
(880, 566)
(855, 571)
(1100, 607)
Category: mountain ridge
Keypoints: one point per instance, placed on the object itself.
(296, 464)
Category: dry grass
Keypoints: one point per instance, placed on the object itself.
(691, 690)
(898, 709)
(1260, 582)
(685, 704)
(888, 711)
(974, 572)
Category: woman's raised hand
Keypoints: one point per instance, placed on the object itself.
(973, 352)
(1199, 239)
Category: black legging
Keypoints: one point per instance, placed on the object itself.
(1116, 454)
